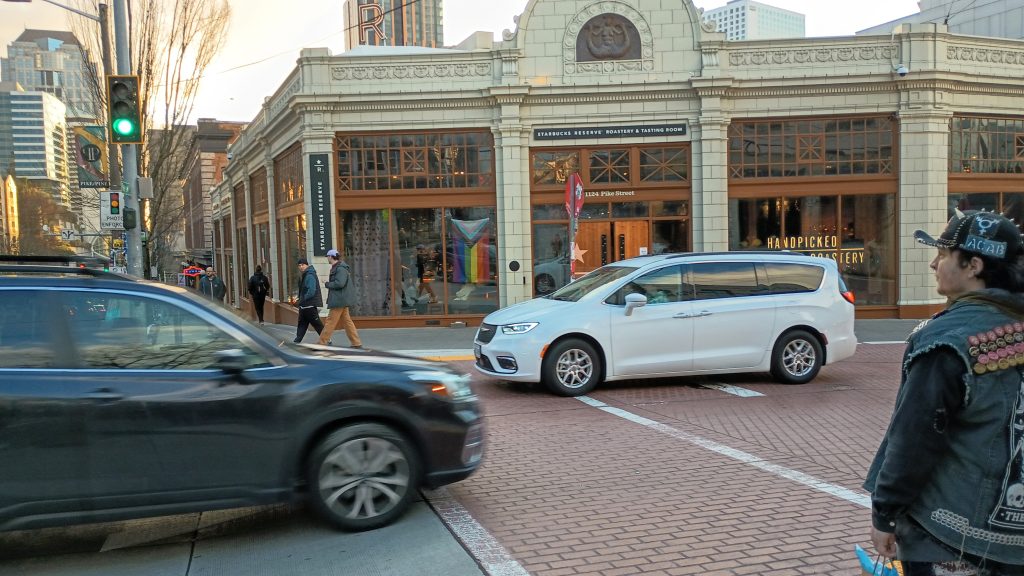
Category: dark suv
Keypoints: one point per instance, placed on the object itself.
(122, 398)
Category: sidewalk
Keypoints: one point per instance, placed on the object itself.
(455, 344)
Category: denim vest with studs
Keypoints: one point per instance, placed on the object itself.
(974, 501)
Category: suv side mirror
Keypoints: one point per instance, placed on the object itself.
(634, 300)
(231, 361)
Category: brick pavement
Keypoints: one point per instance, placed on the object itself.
(568, 489)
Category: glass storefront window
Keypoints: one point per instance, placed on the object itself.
(826, 147)
(288, 177)
(629, 210)
(550, 257)
(609, 166)
(663, 164)
(549, 212)
(670, 236)
(415, 161)
(427, 261)
(986, 145)
(1010, 204)
(471, 260)
(675, 208)
(420, 253)
(292, 237)
(258, 192)
(859, 232)
(243, 262)
(554, 167)
(261, 245)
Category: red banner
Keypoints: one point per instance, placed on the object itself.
(573, 195)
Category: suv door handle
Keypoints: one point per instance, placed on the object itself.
(104, 395)
(702, 313)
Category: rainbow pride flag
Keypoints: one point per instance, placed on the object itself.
(471, 261)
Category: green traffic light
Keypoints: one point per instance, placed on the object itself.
(124, 127)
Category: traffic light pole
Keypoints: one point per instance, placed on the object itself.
(129, 185)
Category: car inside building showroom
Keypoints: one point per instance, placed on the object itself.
(674, 315)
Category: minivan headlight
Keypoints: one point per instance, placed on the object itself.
(444, 384)
(521, 328)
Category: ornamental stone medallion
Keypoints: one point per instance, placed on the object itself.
(608, 37)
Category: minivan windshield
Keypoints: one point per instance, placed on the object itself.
(573, 291)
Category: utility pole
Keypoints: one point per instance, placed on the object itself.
(130, 183)
(113, 159)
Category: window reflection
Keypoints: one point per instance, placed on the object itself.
(129, 332)
(25, 326)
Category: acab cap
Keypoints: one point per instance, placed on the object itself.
(983, 233)
(332, 253)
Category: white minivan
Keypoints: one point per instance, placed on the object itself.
(672, 315)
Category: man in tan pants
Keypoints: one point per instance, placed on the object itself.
(340, 296)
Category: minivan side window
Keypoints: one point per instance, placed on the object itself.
(792, 278)
(660, 286)
(126, 331)
(714, 280)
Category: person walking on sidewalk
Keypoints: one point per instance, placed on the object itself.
(259, 287)
(212, 286)
(947, 483)
(310, 301)
(339, 299)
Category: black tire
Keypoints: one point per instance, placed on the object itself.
(571, 368)
(796, 358)
(544, 284)
(362, 476)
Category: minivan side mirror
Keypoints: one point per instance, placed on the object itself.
(634, 300)
(231, 361)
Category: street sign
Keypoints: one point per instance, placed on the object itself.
(109, 221)
(91, 156)
(68, 235)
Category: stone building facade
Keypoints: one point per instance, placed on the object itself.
(441, 174)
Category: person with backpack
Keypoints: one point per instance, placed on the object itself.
(259, 287)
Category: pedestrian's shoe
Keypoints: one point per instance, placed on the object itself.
(330, 342)
(356, 347)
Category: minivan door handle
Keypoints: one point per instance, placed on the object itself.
(702, 313)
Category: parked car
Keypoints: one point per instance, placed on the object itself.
(673, 315)
(549, 275)
(122, 399)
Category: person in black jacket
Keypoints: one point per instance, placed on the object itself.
(259, 287)
(310, 301)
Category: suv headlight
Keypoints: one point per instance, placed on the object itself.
(521, 328)
(444, 384)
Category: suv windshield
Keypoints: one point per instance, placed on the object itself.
(573, 291)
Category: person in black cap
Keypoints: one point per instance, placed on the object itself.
(310, 301)
(947, 482)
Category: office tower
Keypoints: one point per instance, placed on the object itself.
(393, 23)
(749, 20)
(54, 62)
(34, 139)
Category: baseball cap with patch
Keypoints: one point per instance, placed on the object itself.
(983, 233)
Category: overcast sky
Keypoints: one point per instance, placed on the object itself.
(266, 35)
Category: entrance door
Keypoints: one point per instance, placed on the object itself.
(606, 242)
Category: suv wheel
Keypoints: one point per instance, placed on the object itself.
(571, 368)
(362, 476)
(796, 358)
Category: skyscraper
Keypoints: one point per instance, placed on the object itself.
(749, 20)
(54, 62)
(393, 23)
(33, 139)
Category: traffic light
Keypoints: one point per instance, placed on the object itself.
(129, 219)
(115, 202)
(124, 114)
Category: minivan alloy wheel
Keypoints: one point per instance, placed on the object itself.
(799, 358)
(574, 368)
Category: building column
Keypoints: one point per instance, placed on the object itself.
(275, 247)
(923, 201)
(512, 170)
(710, 180)
(710, 209)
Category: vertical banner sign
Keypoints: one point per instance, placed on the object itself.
(573, 205)
(320, 189)
(91, 156)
